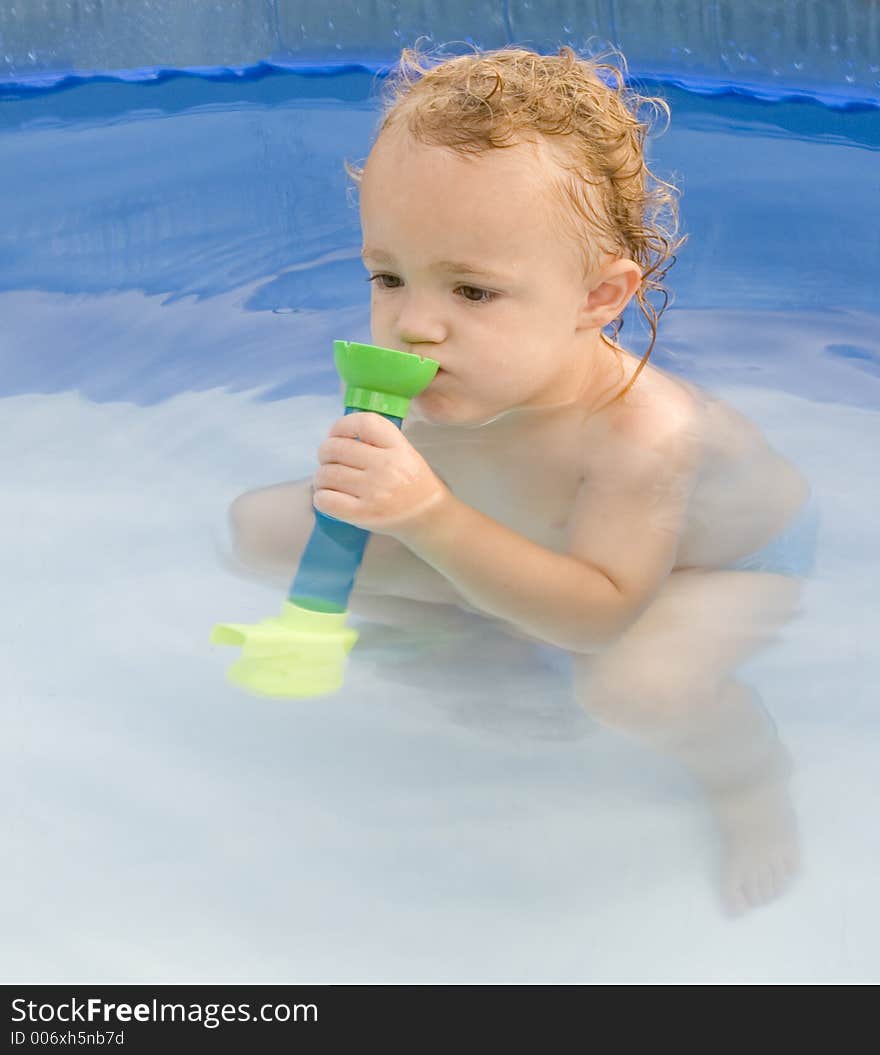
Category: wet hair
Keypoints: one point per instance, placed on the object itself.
(582, 108)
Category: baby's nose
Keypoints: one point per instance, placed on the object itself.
(419, 324)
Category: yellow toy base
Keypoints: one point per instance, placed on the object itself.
(300, 654)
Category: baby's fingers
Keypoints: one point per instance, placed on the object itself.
(342, 478)
(369, 428)
(344, 451)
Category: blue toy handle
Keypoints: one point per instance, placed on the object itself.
(331, 559)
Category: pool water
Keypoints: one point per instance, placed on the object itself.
(176, 259)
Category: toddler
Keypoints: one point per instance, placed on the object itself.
(547, 477)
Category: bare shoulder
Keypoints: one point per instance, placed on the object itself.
(659, 423)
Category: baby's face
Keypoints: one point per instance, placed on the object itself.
(470, 269)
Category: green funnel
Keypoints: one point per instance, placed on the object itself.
(303, 652)
(381, 379)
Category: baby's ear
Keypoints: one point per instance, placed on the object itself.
(612, 289)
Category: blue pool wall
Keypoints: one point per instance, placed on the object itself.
(827, 49)
(241, 197)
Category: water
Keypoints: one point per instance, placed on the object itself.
(175, 262)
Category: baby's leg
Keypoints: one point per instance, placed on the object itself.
(270, 527)
(668, 682)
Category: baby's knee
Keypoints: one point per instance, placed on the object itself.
(271, 525)
(625, 696)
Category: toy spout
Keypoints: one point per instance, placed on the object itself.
(303, 651)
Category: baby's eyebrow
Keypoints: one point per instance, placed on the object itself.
(454, 266)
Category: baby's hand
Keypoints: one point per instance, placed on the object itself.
(372, 476)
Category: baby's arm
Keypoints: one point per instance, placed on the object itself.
(622, 543)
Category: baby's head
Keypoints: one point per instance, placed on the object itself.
(508, 217)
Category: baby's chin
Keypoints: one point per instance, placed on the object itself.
(440, 410)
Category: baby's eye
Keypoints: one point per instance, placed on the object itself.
(484, 296)
(382, 285)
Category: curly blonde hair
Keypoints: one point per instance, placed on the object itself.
(473, 102)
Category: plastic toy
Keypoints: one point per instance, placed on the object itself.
(303, 651)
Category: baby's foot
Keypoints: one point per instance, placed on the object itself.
(761, 851)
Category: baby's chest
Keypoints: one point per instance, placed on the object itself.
(528, 485)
